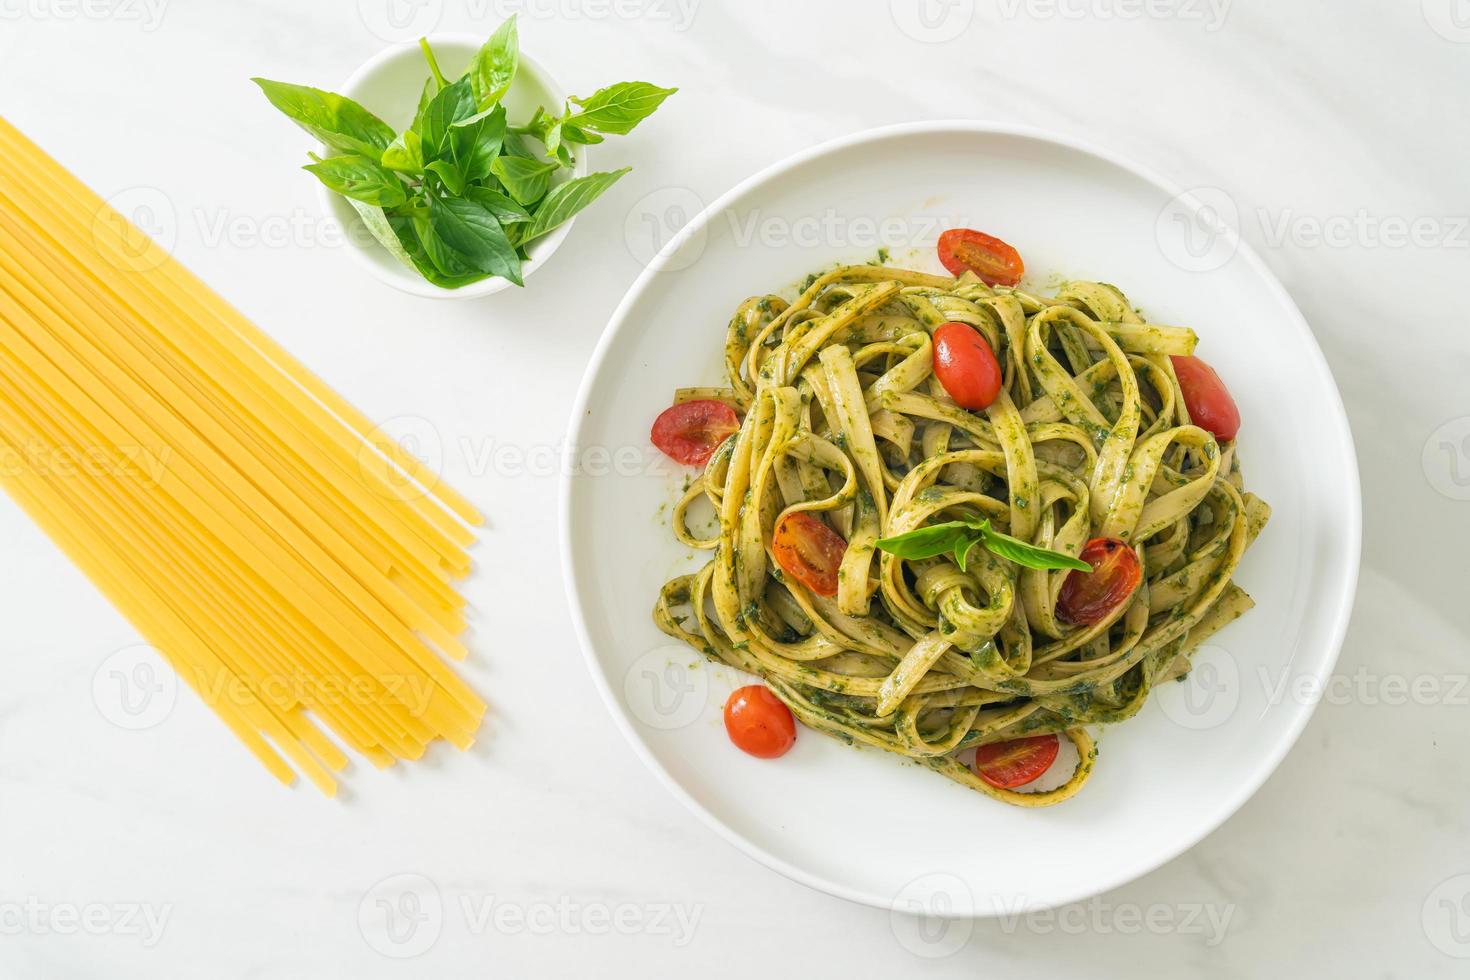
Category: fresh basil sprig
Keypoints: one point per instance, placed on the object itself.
(459, 194)
(958, 537)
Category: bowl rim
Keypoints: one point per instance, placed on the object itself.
(407, 280)
(1340, 613)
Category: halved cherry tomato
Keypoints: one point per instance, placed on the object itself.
(985, 255)
(758, 723)
(809, 551)
(1017, 762)
(690, 432)
(1088, 597)
(1209, 402)
(966, 366)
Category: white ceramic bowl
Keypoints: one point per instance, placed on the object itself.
(388, 84)
(862, 824)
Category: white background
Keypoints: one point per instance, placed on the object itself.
(1331, 128)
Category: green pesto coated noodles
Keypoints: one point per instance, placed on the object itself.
(844, 418)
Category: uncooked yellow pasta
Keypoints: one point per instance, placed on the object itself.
(287, 559)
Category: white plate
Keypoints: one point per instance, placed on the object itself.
(866, 825)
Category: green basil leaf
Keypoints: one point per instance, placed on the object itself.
(444, 257)
(472, 231)
(962, 551)
(361, 179)
(572, 133)
(334, 119)
(525, 180)
(516, 147)
(494, 66)
(406, 230)
(1028, 555)
(376, 221)
(449, 173)
(406, 153)
(506, 211)
(435, 74)
(481, 115)
(928, 542)
(551, 136)
(618, 108)
(408, 238)
(565, 200)
(431, 89)
(453, 103)
(542, 126)
(475, 142)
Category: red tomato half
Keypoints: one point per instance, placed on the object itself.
(1017, 762)
(758, 723)
(985, 255)
(1205, 395)
(809, 551)
(966, 366)
(1089, 597)
(691, 432)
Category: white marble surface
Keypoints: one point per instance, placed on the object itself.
(165, 852)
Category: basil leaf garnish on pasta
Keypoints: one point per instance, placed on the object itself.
(960, 536)
(1028, 555)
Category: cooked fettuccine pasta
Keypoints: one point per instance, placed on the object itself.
(847, 437)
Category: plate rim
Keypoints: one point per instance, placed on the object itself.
(618, 322)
